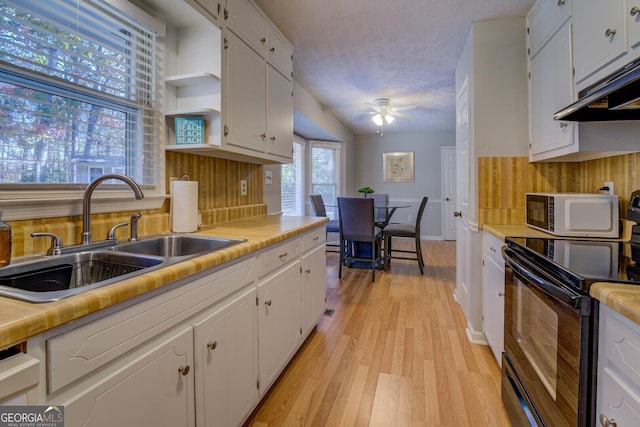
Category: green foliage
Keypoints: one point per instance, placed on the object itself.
(366, 190)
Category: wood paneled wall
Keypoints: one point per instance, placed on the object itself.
(503, 181)
(219, 201)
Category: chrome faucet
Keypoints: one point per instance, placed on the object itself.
(86, 200)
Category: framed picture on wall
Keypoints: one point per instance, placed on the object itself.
(398, 167)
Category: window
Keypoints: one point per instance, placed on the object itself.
(292, 181)
(325, 173)
(78, 94)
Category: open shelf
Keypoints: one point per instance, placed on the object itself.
(191, 79)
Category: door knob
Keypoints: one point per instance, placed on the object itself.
(457, 214)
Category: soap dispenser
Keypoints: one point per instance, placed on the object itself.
(5, 242)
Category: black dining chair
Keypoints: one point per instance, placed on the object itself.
(360, 239)
(319, 209)
(405, 230)
(380, 203)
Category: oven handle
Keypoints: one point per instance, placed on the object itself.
(545, 286)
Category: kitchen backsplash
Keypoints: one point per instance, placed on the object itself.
(502, 182)
(219, 201)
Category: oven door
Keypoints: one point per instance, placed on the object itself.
(548, 346)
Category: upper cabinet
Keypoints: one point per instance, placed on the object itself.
(210, 9)
(600, 35)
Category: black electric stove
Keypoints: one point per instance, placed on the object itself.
(579, 263)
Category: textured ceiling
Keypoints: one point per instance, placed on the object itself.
(349, 52)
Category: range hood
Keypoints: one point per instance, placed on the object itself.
(616, 97)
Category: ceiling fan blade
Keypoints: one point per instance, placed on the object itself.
(399, 114)
(403, 107)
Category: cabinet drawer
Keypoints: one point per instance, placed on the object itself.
(314, 239)
(620, 343)
(617, 400)
(76, 353)
(544, 19)
(491, 248)
(277, 257)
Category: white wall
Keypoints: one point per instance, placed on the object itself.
(428, 179)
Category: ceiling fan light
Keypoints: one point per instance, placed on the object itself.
(389, 119)
(377, 119)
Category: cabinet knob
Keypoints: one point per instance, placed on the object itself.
(447, 199)
(263, 40)
(268, 303)
(561, 3)
(500, 294)
(634, 11)
(263, 136)
(184, 370)
(563, 125)
(492, 249)
(273, 139)
(212, 345)
(610, 32)
(606, 422)
(457, 214)
(273, 49)
(308, 271)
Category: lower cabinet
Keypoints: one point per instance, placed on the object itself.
(493, 294)
(618, 401)
(155, 389)
(202, 353)
(226, 362)
(279, 328)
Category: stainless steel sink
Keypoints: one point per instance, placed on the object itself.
(177, 246)
(55, 277)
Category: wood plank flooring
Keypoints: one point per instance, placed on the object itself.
(394, 353)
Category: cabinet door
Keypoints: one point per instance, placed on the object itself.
(209, 8)
(493, 299)
(149, 391)
(248, 24)
(544, 19)
(245, 97)
(279, 114)
(279, 53)
(314, 289)
(226, 356)
(600, 35)
(550, 89)
(279, 306)
(633, 22)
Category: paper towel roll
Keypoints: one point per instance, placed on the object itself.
(184, 206)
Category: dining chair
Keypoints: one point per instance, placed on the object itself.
(319, 209)
(380, 203)
(405, 230)
(357, 231)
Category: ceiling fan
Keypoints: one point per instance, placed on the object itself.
(383, 111)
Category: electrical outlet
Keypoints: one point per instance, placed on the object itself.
(268, 177)
(609, 184)
(243, 187)
(410, 218)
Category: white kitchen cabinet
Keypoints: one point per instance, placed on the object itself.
(493, 294)
(489, 123)
(543, 20)
(599, 34)
(210, 9)
(633, 25)
(155, 389)
(279, 53)
(279, 317)
(226, 361)
(618, 380)
(279, 117)
(245, 19)
(550, 89)
(314, 287)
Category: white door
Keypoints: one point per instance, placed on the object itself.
(463, 232)
(448, 156)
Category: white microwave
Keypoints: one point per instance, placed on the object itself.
(574, 214)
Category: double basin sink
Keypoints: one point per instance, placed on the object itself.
(51, 278)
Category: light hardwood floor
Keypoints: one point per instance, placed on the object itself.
(394, 353)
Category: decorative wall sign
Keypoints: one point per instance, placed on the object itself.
(398, 167)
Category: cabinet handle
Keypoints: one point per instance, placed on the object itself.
(184, 370)
(263, 40)
(610, 32)
(316, 238)
(212, 345)
(561, 3)
(606, 422)
(268, 303)
(634, 11)
(283, 256)
(500, 294)
(263, 136)
(308, 271)
(273, 49)
(563, 125)
(273, 139)
(457, 214)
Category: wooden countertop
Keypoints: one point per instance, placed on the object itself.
(504, 231)
(20, 320)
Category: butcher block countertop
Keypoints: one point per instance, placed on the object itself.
(623, 298)
(20, 320)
